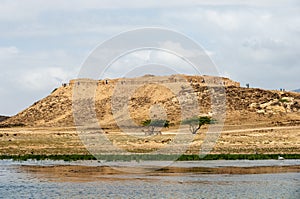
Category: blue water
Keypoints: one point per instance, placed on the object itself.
(17, 183)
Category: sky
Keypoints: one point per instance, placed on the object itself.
(44, 43)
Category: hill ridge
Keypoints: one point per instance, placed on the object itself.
(3, 118)
(242, 104)
(297, 90)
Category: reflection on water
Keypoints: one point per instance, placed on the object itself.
(220, 179)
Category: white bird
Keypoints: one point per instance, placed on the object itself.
(280, 158)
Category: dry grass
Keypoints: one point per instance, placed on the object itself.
(52, 141)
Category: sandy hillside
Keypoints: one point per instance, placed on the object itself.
(170, 93)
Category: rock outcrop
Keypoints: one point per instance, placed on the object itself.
(2, 118)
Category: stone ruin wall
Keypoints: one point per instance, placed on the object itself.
(193, 80)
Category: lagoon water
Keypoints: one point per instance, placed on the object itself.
(19, 180)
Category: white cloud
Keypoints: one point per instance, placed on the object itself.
(43, 78)
(177, 48)
(227, 20)
(250, 43)
(267, 43)
(39, 71)
(166, 62)
(6, 52)
(20, 10)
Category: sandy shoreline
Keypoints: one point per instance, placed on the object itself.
(95, 173)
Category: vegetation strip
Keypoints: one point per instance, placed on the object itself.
(145, 157)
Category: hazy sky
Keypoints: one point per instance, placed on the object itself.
(43, 43)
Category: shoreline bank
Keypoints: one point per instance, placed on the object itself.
(150, 157)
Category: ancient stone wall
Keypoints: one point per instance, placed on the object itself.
(199, 80)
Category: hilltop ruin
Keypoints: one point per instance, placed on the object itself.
(146, 79)
(242, 104)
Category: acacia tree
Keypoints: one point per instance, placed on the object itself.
(153, 124)
(195, 123)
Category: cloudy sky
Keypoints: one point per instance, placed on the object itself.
(44, 43)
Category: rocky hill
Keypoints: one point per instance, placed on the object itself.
(243, 105)
(2, 118)
(297, 90)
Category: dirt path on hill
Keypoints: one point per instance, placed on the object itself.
(274, 128)
(262, 129)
